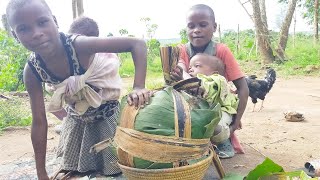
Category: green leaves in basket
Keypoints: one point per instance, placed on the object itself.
(158, 118)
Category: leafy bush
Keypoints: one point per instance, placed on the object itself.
(14, 113)
(246, 47)
(153, 49)
(13, 57)
(183, 35)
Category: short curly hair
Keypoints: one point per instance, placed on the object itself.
(204, 7)
(85, 26)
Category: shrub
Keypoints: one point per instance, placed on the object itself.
(14, 113)
(13, 57)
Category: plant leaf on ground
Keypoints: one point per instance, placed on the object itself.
(267, 167)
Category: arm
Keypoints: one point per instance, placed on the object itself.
(39, 122)
(243, 93)
(87, 46)
(140, 95)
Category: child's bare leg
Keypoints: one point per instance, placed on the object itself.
(217, 130)
(221, 137)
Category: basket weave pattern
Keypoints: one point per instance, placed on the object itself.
(190, 172)
(194, 171)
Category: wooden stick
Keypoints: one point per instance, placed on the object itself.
(256, 150)
(4, 97)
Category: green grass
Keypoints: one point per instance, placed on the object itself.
(155, 82)
(301, 58)
(13, 112)
(154, 68)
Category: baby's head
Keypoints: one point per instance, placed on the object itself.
(205, 64)
(33, 24)
(84, 26)
(200, 25)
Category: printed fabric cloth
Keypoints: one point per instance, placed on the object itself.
(217, 91)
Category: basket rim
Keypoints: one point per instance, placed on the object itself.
(182, 168)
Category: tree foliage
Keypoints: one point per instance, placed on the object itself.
(13, 57)
(150, 28)
(152, 43)
(307, 9)
(123, 32)
(183, 35)
(153, 49)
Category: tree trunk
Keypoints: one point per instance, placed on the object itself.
(74, 9)
(262, 34)
(238, 40)
(284, 32)
(262, 4)
(294, 29)
(316, 21)
(80, 7)
(77, 8)
(219, 31)
(6, 24)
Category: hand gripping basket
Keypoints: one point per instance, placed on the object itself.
(164, 149)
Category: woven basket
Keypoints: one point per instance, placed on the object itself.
(190, 172)
(176, 149)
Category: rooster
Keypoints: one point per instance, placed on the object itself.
(258, 89)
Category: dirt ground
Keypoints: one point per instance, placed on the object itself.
(264, 133)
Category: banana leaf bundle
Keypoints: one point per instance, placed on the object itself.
(169, 58)
(154, 141)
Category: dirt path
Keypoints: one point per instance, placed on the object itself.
(290, 144)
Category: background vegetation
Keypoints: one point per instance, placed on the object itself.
(12, 60)
(302, 58)
(13, 112)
